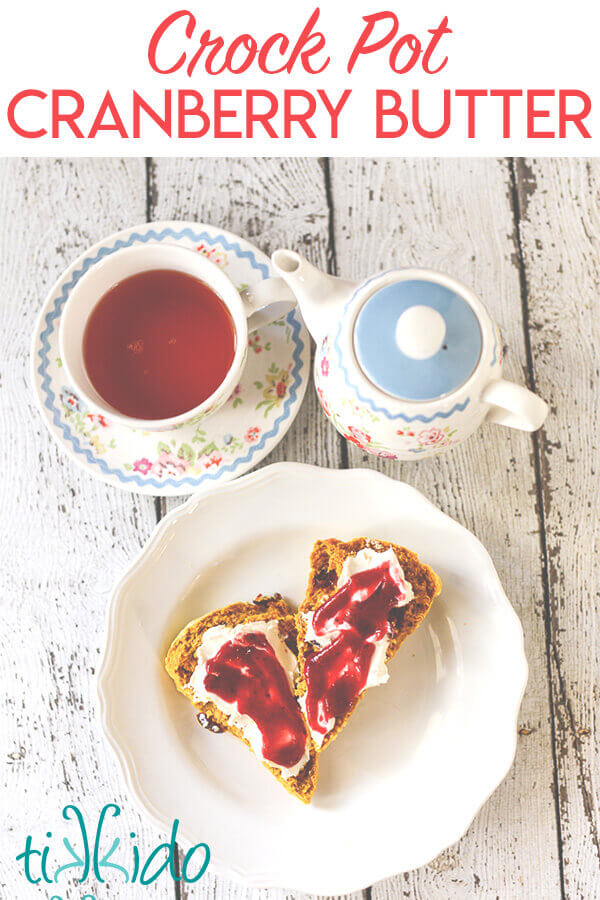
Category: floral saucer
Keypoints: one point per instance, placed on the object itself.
(252, 422)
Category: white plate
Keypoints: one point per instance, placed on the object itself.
(420, 755)
(229, 443)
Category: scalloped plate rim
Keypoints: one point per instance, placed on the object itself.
(124, 756)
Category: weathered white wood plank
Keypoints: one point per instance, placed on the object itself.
(273, 203)
(456, 216)
(65, 537)
(560, 240)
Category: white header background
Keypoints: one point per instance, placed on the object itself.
(92, 48)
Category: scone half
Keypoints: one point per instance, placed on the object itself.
(243, 656)
(364, 598)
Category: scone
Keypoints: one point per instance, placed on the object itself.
(364, 597)
(237, 665)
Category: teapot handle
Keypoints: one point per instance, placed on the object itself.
(514, 405)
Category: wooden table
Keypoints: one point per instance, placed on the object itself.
(526, 235)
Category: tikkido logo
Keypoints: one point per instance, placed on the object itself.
(91, 856)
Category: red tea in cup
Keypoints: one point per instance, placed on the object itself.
(158, 344)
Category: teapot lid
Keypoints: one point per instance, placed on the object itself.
(417, 339)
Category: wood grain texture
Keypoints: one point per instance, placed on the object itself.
(274, 203)
(559, 242)
(65, 537)
(456, 216)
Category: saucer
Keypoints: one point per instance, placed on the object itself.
(222, 447)
(420, 754)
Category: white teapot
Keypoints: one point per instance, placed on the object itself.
(409, 362)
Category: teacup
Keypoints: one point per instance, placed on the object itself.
(249, 309)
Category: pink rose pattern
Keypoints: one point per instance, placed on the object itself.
(415, 441)
(168, 465)
(174, 462)
(431, 436)
(438, 438)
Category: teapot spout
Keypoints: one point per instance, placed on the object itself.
(321, 297)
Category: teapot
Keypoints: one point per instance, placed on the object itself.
(408, 363)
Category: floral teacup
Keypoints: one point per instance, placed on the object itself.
(249, 309)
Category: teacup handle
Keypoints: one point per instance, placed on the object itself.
(267, 301)
(514, 405)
